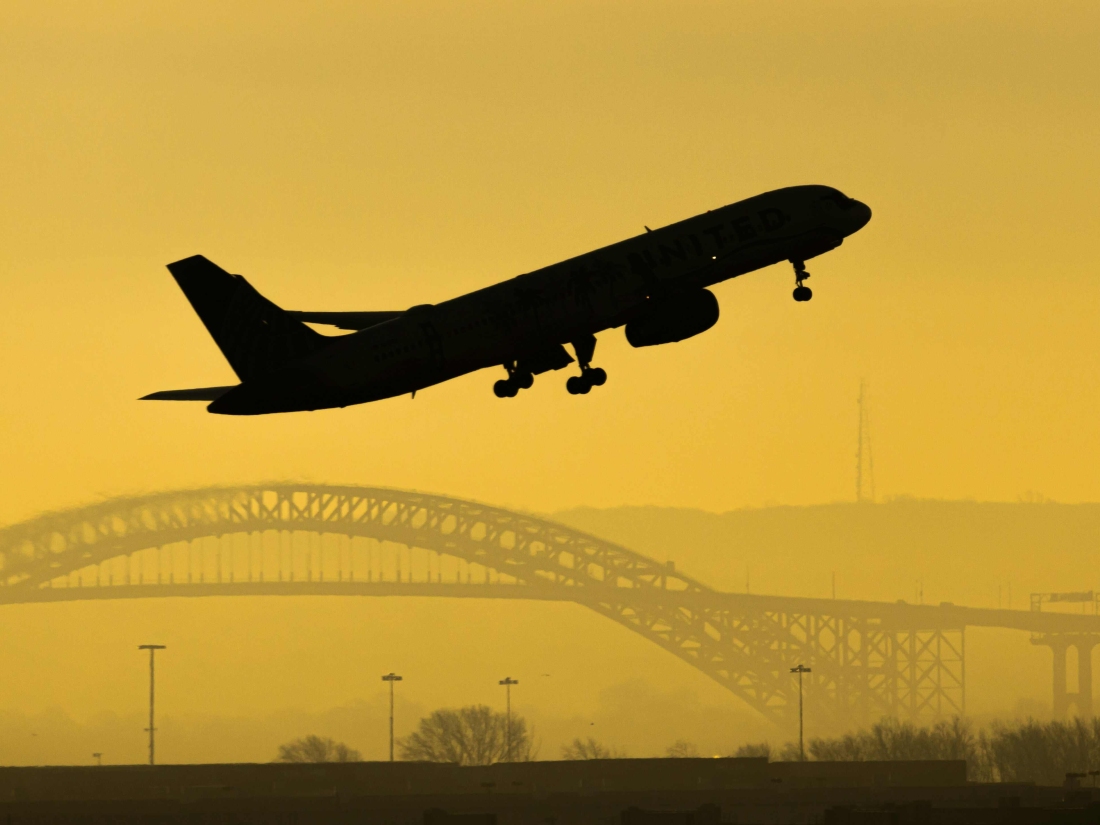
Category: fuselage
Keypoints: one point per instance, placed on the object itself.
(530, 315)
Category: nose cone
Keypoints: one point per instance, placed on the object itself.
(860, 215)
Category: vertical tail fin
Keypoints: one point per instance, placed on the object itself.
(255, 336)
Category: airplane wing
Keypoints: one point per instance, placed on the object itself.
(196, 394)
(345, 320)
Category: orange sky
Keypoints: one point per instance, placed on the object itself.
(374, 156)
(379, 155)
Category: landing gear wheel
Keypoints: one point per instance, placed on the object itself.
(518, 379)
(577, 385)
(590, 376)
(801, 293)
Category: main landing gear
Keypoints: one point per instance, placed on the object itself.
(517, 380)
(801, 293)
(590, 376)
(520, 376)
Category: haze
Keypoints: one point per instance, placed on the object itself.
(376, 156)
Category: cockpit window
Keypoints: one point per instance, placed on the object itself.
(839, 199)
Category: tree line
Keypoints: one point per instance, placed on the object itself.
(1022, 751)
(472, 735)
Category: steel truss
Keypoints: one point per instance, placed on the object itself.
(868, 659)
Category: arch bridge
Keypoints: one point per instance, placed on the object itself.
(868, 659)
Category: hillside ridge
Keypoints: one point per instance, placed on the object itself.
(889, 551)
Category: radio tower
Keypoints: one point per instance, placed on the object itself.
(865, 460)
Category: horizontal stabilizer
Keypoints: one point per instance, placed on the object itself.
(196, 394)
(345, 320)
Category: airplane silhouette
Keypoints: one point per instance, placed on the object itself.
(654, 284)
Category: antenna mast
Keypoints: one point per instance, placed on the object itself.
(865, 459)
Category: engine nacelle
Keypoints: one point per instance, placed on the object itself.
(674, 319)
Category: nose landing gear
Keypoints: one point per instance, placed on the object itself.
(590, 376)
(801, 293)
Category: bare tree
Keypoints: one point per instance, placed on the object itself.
(891, 739)
(589, 749)
(757, 750)
(789, 752)
(317, 749)
(681, 749)
(1042, 752)
(473, 735)
(1020, 751)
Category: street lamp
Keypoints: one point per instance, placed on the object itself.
(391, 678)
(508, 681)
(152, 695)
(800, 670)
(98, 757)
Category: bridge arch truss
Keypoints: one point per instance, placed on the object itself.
(283, 539)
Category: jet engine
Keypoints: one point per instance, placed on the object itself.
(673, 319)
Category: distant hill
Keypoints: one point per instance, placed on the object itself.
(960, 551)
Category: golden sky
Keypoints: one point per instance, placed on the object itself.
(373, 156)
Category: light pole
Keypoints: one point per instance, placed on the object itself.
(508, 681)
(800, 670)
(98, 757)
(152, 696)
(391, 678)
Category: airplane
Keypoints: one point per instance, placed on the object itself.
(654, 285)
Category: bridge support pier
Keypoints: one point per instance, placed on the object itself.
(1062, 698)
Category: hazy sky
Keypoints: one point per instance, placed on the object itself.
(375, 156)
(367, 156)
